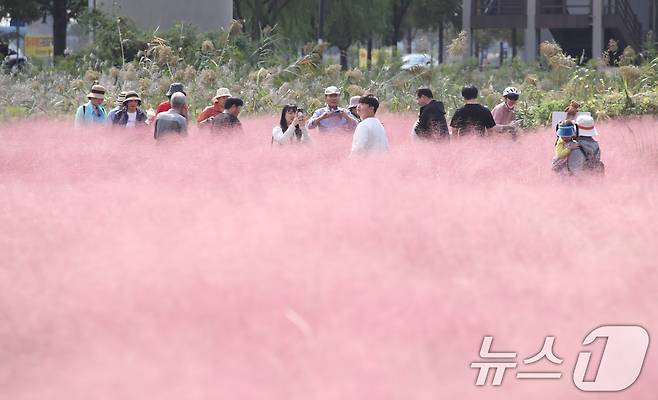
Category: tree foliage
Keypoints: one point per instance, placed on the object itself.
(24, 10)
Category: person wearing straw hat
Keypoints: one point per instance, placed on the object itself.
(354, 103)
(216, 108)
(588, 158)
(117, 106)
(130, 115)
(175, 87)
(93, 111)
(331, 117)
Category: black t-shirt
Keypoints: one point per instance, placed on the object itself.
(472, 118)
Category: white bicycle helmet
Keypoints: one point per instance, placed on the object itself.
(511, 90)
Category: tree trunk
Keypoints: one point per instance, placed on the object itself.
(369, 55)
(60, 23)
(410, 40)
(321, 21)
(477, 51)
(258, 20)
(395, 38)
(513, 43)
(399, 9)
(343, 59)
(441, 40)
(237, 12)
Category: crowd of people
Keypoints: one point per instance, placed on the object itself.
(576, 150)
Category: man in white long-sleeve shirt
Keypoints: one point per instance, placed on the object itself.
(370, 136)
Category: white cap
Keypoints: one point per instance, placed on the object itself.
(354, 101)
(331, 90)
(586, 126)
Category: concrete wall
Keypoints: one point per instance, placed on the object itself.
(206, 15)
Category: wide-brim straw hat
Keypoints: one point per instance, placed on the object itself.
(132, 95)
(222, 92)
(97, 92)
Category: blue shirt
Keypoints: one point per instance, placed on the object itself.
(88, 114)
(333, 122)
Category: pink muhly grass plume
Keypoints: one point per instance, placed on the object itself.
(215, 267)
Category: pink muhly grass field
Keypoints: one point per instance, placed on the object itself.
(228, 268)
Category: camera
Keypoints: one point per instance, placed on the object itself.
(300, 112)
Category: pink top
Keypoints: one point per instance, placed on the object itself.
(503, 115)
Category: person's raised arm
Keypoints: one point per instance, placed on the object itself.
(306, 136)
(352, 122)
(280, 136)
(315, 119)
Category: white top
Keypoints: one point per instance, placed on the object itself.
(132, 119)
(369, 137)
(288, 136)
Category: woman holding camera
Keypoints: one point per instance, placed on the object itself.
(292, 127)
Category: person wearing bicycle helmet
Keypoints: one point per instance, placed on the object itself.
(505, 112)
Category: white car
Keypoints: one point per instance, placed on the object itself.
(417, 60)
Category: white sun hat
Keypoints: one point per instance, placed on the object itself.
(586, 126)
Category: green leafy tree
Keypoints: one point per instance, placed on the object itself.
(399, 9)
(291, 16)
(116, 40)
(61, 11)
(346, 23)
(24, 10)
(435, 15)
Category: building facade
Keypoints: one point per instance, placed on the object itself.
(206, 15)
(581, 27)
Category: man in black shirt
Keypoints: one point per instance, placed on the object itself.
(472, 117)
(432, 118)
(227, 121)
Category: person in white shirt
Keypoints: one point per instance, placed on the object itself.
(292, 127)
(370, 136)
(130, 116)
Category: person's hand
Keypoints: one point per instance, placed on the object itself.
(326, 114)
(573, 145)
(295, 121)
(301, 119)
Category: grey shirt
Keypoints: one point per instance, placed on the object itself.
(584, 157)
(170, 122)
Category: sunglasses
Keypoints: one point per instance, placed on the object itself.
(513, 96)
